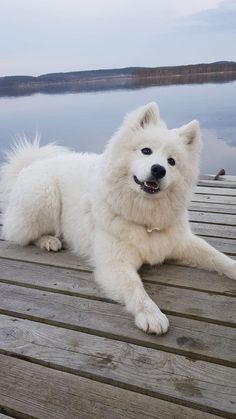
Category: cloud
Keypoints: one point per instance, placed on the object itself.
(64, 35)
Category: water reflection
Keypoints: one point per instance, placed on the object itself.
(85, 121)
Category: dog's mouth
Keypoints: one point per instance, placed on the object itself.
(150, 186)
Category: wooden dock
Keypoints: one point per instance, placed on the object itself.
(68, 352)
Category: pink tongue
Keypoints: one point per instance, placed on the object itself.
(151, 184)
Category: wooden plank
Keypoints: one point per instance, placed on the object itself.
(214, 230)
(82, 282)
(33, 254)
(212, 207)
(193, 304)
(217, 199)
(211, 217)
(117, 363)
(49, 277)
(217, 184)
(214, 191)
(45, 393)
(183, 276)
(186, 336)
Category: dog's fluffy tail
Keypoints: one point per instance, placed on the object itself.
(22, 154)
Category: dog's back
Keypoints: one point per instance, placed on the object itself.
(22, 154)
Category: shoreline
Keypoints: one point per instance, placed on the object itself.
(128, 78)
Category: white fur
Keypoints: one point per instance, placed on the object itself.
(94, 204)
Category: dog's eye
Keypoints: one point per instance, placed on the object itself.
(146, 151)
(171, 161)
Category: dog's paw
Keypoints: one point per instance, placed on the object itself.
(150, 319)
(49, 243)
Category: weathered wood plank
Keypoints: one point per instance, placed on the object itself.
(217, 199)
(186, 336)
(183, 276)
(35, 255)
(117, 363)
(50, 277)
(214, 191)
(193, 304)
(212, 207)
(65, 280)
(217, 183)
(212, 217)
(45, 393)
(214, 230)
(4, 416)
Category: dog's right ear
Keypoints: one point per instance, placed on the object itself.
(144, 116)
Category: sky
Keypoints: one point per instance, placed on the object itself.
(46, 36)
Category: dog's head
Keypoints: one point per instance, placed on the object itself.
(145, 157)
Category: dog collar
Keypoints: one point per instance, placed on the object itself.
(150, 230)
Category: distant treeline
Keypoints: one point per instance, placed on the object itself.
(130, 77)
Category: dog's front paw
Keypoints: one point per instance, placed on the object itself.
(49, 243)
(150, 319)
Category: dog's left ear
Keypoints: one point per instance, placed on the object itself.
(190, 133)
(149, 114)
(143, 116)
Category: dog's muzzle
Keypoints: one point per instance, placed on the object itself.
(150, 186)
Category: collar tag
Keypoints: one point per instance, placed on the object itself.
(150, 230)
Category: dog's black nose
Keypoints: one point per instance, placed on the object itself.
(158, 171)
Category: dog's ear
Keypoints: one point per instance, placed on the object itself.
(190, 133)
(149, 114)
(143, 116)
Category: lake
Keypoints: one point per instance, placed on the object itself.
(85, 121)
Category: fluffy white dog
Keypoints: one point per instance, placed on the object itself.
(120, 209)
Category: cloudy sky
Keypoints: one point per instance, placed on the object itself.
(45, 36)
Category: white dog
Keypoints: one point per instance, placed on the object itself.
(120, 209)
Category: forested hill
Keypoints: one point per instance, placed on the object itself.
(123, 77)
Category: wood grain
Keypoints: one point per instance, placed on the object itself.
(186, 336)
(212, 207)
(182, 302)
(215, 191)
(39, 392)
(222, 183)
(120, 363)
(82, 281)
(214, 230)
(217, 199)
(212, 217)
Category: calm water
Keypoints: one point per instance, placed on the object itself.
(85, 121)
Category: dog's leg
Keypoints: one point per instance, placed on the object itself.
(196, 252)
(49, 243)
(116, 272)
